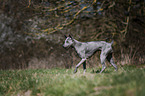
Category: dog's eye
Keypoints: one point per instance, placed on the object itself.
(67, 42)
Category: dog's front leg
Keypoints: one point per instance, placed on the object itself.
(82, 61)
(84, 66)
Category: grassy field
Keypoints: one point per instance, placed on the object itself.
(128, 81)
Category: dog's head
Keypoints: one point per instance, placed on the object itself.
(68, 41)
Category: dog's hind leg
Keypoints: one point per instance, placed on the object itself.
(82, 61)
(110, 59)
(103, 67)
(103, 57)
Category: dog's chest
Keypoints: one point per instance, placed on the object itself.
(81, 51)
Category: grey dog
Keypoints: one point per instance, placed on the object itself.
(87, 49)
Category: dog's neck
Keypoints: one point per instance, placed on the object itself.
(76, 43)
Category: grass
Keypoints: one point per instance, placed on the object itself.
(128, 81)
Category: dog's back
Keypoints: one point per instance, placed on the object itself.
(88, 48)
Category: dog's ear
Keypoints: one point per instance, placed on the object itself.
(65, 36)
(70, 36)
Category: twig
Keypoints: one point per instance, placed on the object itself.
(124, 32)
(29, 3)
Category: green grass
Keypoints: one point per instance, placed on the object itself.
(128, 81)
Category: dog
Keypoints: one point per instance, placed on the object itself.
(87, 49)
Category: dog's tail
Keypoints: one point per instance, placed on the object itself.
(112, 42)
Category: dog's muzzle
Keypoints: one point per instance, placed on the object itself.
(64, 46)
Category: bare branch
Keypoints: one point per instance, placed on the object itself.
(59, 27)
(124, 32)
(29, 3)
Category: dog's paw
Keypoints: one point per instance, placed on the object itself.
(75, 71)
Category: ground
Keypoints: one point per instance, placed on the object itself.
(127, 81)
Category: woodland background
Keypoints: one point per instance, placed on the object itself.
(32, 31)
